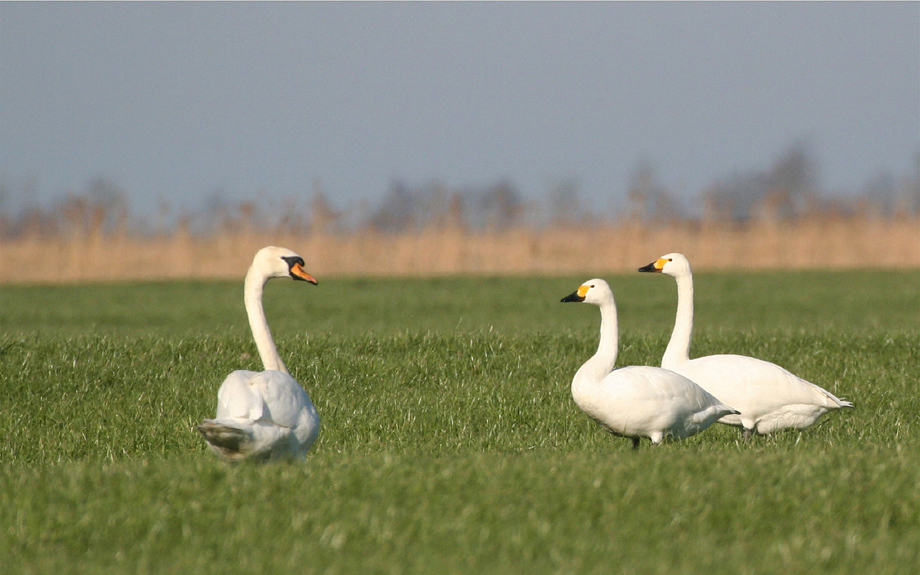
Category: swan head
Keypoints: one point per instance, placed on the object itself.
(595, 291)
(273, 262)
(670, 264)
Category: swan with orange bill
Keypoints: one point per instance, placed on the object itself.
(263, 415)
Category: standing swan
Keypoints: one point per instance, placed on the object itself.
(263, 415)
(636, 401)
(769, 397)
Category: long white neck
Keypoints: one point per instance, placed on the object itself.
(603, 362)
(255, 282)
(678, 350)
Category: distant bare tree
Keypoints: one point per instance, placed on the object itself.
(792, 181)
(322, 216)
(502, 205)
(909, 191)
(780, 192)
(496, 206)
(564, 202)
(648, 198)
(102, 208)
(397, 211)
(455, 212)
(881, 192)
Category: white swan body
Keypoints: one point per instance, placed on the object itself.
(637, 401)
(769, 397)
(267, 414)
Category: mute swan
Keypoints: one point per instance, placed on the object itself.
(636, 401)
(769, 397)
(263, 415)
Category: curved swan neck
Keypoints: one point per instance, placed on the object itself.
(255, 282)
(678, 350)
(604, 360)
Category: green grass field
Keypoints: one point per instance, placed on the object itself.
(450, 442)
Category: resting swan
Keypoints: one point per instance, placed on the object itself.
(636, 401)
(769, 397)
(263, 415)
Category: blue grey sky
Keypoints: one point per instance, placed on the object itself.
(174, 101)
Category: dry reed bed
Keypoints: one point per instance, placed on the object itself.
(829, 243)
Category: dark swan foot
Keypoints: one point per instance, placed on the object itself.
(635, 442)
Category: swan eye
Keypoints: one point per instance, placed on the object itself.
(291, 261)
(670, 259)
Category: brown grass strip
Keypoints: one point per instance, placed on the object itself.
(812, 243)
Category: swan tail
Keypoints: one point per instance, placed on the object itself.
(722, 408)
(228, 442)
(837, 402)
(724, 411)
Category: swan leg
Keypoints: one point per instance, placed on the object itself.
(635, 443)
(746, 434)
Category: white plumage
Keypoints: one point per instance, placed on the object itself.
(637, 401)
(267, 414)
(769, 397)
